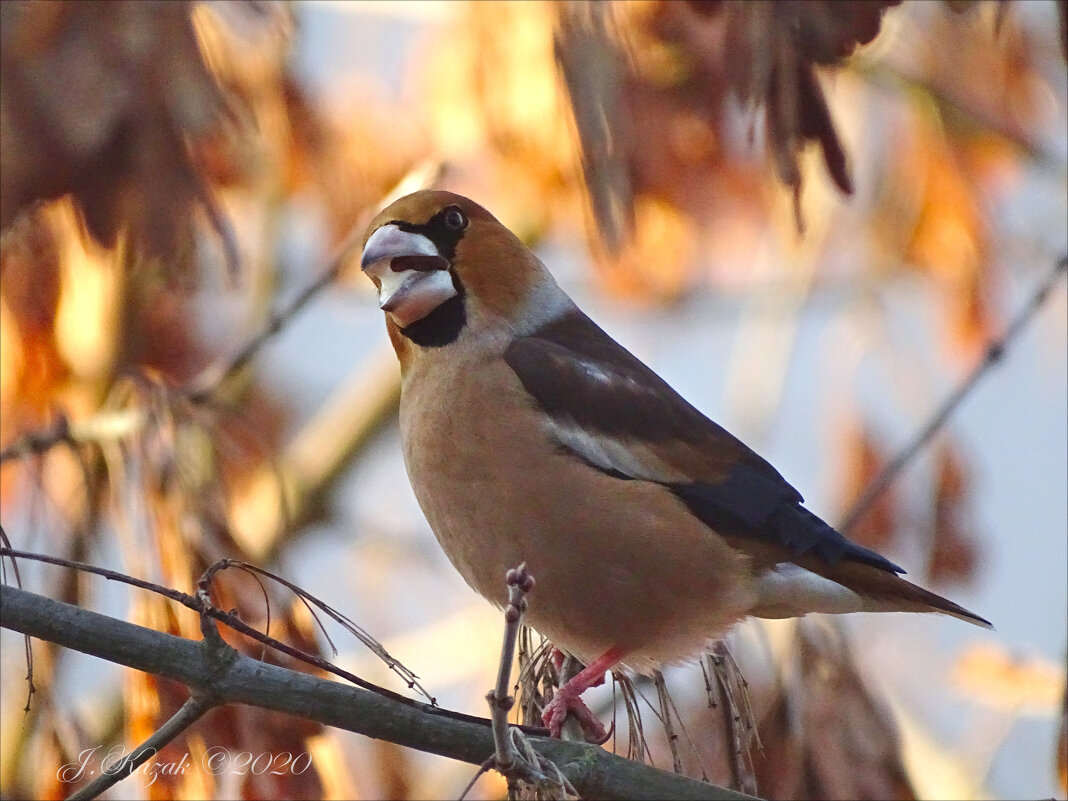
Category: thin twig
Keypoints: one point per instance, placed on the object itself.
(665, 717)
(483, 769)
(208, 382)
(729, 712)
(674, 710)
(26, 644)
(234, 622)
(101, 427)
(190, 712)
(743, 777)
(637, 746)
(309, 600)
(994, 353)
(204, 386)
(535, 674)
(513, 756)
(519, 582)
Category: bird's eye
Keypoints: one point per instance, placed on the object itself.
(455, 219)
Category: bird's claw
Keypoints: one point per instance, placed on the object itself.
(567, 702)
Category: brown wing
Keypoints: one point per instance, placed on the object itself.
(612, 411)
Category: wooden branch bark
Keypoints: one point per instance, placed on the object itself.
(235, 678)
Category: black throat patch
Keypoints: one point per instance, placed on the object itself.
(443, 325)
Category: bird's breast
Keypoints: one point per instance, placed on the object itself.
(472, 459)
(617, 562)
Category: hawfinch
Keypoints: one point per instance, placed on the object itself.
(530, 435)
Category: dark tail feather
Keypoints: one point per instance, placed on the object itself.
(884, 591)
(936, 603)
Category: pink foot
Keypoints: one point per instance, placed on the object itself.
(567, 700)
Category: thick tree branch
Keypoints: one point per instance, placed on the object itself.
(593, 771)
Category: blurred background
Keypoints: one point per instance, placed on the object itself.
(810, 218)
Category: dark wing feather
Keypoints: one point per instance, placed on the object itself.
(585, 380)
(580, 375)
(784, 522)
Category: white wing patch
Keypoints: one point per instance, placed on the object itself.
(631, 458)
(789, 590)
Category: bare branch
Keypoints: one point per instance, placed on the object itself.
(309, 600)
(665, 718)
(722, 666)
(201, 604)
(191, 711)
(513, 754)
(519, 583)
(207, 383)
(105, 426)
(994, 352)
(593, 771)
(26, 645)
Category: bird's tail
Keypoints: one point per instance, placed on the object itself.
(909, 597)
(883, 591)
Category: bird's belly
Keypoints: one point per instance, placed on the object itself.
(617, 563)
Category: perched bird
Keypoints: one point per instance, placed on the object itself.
(530, 435)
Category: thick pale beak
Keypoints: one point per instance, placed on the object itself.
(412, 278)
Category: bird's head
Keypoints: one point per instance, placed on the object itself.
(444, 265)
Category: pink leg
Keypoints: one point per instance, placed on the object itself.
(558, 657)
(567, 699)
